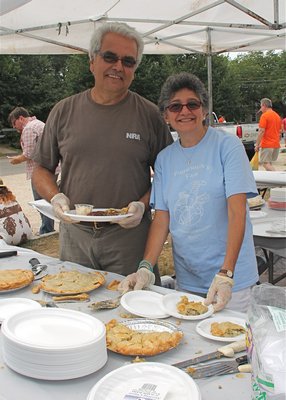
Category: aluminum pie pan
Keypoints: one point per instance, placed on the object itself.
(149, 325)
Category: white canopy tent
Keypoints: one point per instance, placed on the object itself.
(167, 26)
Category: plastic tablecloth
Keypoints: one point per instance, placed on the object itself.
(15, 386)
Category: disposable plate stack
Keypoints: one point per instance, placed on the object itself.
(54, 344)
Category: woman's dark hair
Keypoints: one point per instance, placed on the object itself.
(183, 80)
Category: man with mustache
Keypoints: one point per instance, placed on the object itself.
(106, 138)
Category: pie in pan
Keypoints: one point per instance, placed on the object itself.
(226, 329)
(187, 307)
(72, 282)
(121, 339)
(15, 278)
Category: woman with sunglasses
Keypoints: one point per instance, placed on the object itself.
(199, 194)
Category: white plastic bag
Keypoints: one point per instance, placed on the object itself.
(266, 342)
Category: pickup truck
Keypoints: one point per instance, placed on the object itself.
(247, 133)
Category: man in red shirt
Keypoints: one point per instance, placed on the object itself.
(268, 139)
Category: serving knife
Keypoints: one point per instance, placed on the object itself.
(224, 351)
(240, 364)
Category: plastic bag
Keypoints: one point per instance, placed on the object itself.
(254, 162)
(266, 341)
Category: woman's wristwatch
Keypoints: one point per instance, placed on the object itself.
(226, 272)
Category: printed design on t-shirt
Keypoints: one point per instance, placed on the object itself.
(189, 208)
(133, 136)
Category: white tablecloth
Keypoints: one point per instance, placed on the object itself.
(15, 386)
(270, 178)
(270, 241)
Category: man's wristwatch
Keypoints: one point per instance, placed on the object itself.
(226, 272)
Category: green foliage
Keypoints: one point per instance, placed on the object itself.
(38, 82)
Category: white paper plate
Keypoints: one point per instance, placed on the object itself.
(169, 303)
(144, 303)
(116, 384)
(267, 228)
(53, 328)
(12, 306)
(95, 218)
(204, 328)
(257, 214)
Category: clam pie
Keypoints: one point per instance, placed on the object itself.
(187, 307)
(121, 339)
(15, 278)
(226, 329)
(72, 282)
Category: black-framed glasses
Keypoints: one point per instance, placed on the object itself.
(191, 105)
(112, 58)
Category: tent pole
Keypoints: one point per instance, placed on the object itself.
(210, 88)
(210, 83)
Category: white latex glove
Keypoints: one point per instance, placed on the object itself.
(219, 292)
(60, 204)
(137, 208)
(137, 281)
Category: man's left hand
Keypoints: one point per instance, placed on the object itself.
(219, 292)
(137, 208)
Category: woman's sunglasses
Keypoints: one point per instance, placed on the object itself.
(112, 58)
(191, 105)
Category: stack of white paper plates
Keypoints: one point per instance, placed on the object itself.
(54, 344)
(147, 378)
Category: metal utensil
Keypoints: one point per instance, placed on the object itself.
(37, 266)
(224, 351)
(219, 368)
(8, 253)
(106, 304)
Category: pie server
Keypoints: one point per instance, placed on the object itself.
(224, 351)
(38, 268)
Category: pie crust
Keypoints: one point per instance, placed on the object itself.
(15, 278)
(113, 285)
(187, 307)
(226, 329)
(72, 282)
(123, 340)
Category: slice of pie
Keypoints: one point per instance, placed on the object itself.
(121, 339)
(72, 282)
(226, 329)
(187, 307)
(15, 278)
(110, 212)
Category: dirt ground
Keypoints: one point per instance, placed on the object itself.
(49, 244)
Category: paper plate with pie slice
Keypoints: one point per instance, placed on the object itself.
(15, 279)
(186, 306)
(142, 337)
(72, 282)
(99, 215)
(230, 327)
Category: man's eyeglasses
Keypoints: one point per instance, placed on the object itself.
(112, 58)
(191, 105)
